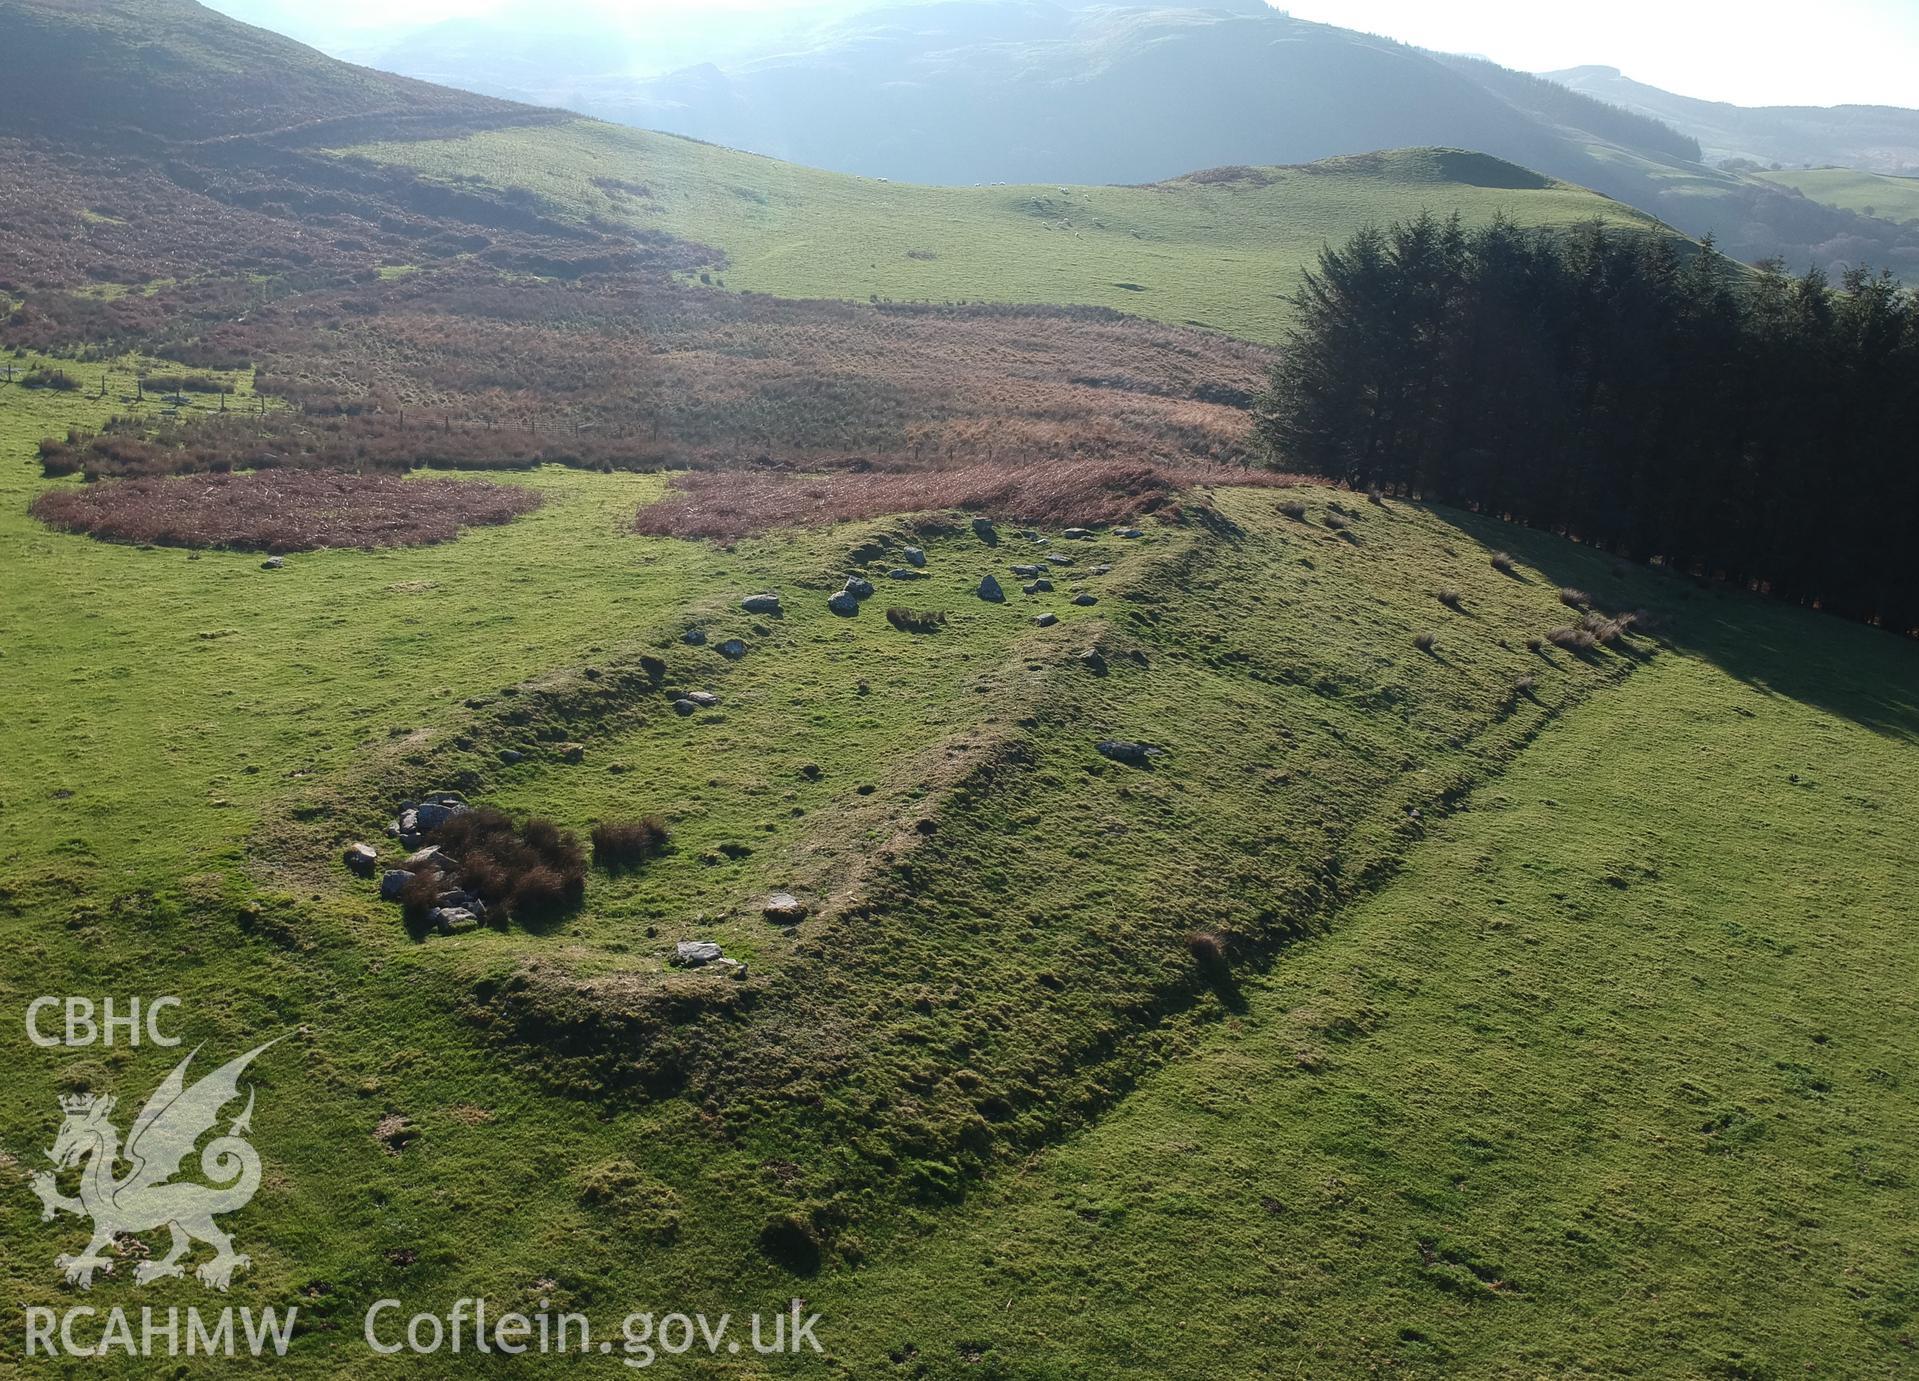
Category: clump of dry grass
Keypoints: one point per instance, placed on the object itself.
(1425, 642)
(532, 870)
(281, 510)
(1207, 948)
(1572, 639)
(916, 620)
(621, 844)
(1575, 599)
(1503, 563)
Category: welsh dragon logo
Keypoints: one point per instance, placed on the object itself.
(165, 1132)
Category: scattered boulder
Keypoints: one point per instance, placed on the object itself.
(1101, 570)
(419, 819)
(783, 908)
(1038, 587)
(694, 637)
(990, 591)
(1086, 601)
(436, 812)
(903, 573)
(732, 968)
(1127, 532)
(453, 920)
(1059, 558)
(915, 556)
(843, 603)
(684, 707)
(393, 882)
(858, 586)
(509, 756)
(693, 953)
(273, 563)
(1077, 534)
(1028, 572)
(732, 649)
(571, 752)
(761, 604)
(432, 856)
(706, 700)
(360, 858)
(1127, 751)
(1046, 620)
(984, 530)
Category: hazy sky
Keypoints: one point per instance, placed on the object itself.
(1753, 52)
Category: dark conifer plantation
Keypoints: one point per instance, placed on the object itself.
(1753, 427)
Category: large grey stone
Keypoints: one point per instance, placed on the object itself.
(453, 920)
(915, 556)
(393, 882)
(432, 856)
(1127, 751)
(783, 908)
(360, 858)
(1038, 587)
(761, 604)
(989, 590)
(693, 953)
(858, 586)
(732, 649)
(843, 603)
(430, 815)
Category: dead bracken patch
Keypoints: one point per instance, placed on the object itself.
(282, 510)
(723, 505)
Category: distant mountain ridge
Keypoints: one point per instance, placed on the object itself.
(963, 92)
(1874, 139)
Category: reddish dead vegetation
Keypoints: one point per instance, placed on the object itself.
(283, 510)
(725, 505)
(519, 340)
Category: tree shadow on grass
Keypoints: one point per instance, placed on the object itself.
(1846, 669)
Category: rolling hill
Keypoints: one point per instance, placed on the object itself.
(174, 71)
(1221, 249)
(1034, 92)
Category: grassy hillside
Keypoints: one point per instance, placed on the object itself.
(1609, 1082)
(179, 71)
(1658, 965)
(1870, 194)
(1220, 249)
